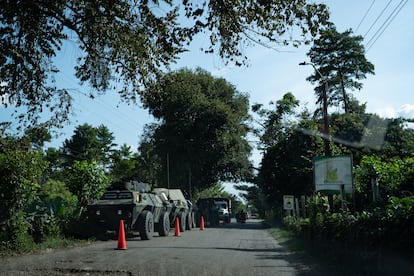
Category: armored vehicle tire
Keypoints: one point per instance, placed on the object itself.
(189, 222)
(146, 225)
(193, 220)
(182, 219)
(164, 224)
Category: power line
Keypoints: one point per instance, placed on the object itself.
(106, 105)
(386, 23)
(117, 117)
(365, 15)
(378, 17)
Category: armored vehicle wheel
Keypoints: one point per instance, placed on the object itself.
(146, 225)
(189, 222)
(164, 224)
(193, 220)
(182, 218)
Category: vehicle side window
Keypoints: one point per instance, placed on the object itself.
(125, 195)
(110, 195)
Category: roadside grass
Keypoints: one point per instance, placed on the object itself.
(302, 251)
(59, 242)
(330, 258)
(30, 247)
(288, 239)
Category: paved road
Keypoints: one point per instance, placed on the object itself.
(234, 249)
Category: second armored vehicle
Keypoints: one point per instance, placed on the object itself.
(181, 208)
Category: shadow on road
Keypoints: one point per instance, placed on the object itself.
(252, 224)
(302, 268)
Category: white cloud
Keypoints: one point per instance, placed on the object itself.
(386, 112)
(406, 111)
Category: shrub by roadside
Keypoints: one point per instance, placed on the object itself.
(377, 241)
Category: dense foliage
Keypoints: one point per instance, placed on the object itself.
(341, 65)
(20, 175)
(88, 144)
(202, 129)
(129, 43)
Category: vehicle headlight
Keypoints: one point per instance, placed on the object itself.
(98, 213)
(119, 212)
(137, 198)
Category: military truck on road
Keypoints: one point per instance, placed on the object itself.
(213, 210)
(133, 202)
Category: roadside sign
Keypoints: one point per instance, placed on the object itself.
(288, 202)
(332, 174)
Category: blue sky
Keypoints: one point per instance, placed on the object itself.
(272, 73)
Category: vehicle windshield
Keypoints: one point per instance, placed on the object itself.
(213, 137)
(222, 205)
(117, 195)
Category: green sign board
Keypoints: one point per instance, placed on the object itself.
(331, 174)
(288, 202)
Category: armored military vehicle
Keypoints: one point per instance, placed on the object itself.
(133, 202)
(181, 208)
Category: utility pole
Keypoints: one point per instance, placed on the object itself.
(326, 129)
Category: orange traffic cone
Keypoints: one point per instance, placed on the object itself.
(202, 223)
(121, 236)
(177, 227)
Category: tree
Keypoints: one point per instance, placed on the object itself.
(202, 129)
(130, 42)
(88, 143)
(340, 58)
(55, 164)
(148, 164)
(398, 139)
(123, 163)
(394, 177)
(105, 143)
(360, 134)
(254, 197)
(289, 147)
(38, 136)
(272, 128)
(216, 190)
(87, 179)
(20, 171)
(286, 167)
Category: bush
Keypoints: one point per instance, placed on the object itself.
(19, 174)
(388, 227)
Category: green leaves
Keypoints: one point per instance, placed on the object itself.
(235, 24)
(89, 143)
(87, 179)
(274, 122)
(394, 178)
(20, 173)
(128, 44)
(340, 58)
(202, 127)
